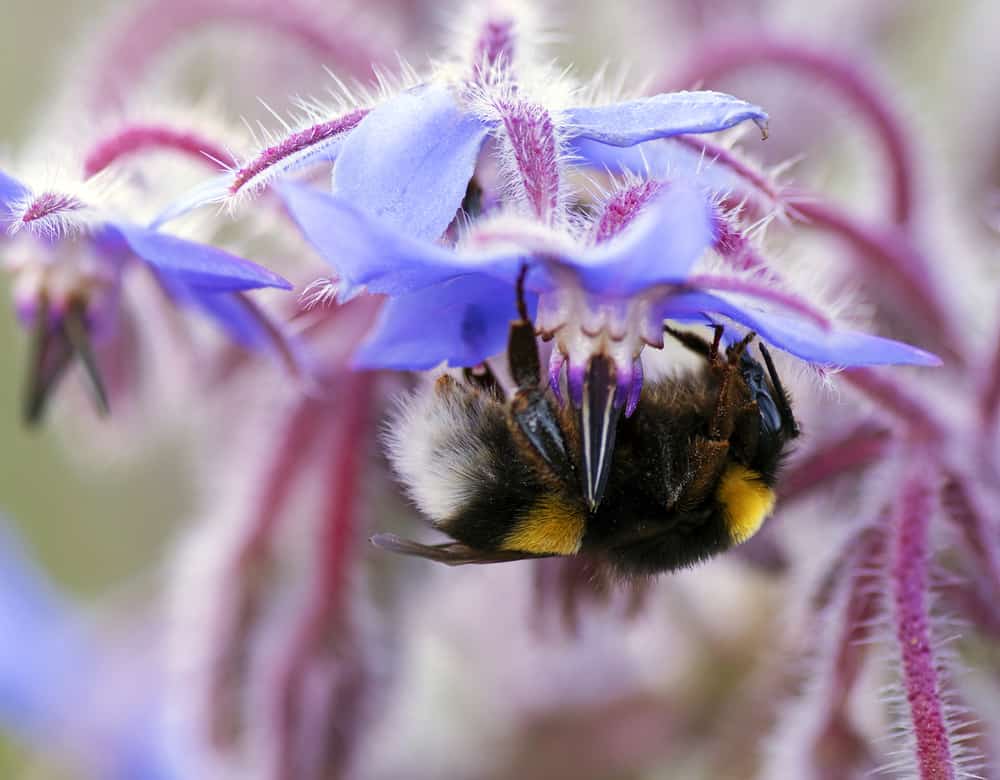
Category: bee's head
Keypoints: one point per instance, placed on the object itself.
(776, 423)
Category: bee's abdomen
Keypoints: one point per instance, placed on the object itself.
(455, 454)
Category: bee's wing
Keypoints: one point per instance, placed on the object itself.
(451, 553)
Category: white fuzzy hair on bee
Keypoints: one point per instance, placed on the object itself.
(432, 446)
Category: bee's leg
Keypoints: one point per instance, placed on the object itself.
(482, 378)
(522, 346)
(737, 350)
(708, 459)
(536, 421)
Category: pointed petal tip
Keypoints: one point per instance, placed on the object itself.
(196, 265)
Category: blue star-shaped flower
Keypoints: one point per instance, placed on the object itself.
(455, 305)
(69, 276)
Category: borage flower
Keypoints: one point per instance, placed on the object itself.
(601, 288)
(68, 257)
(421, 135)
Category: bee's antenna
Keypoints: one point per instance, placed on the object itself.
(784, 409)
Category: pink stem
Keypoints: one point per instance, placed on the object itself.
(989, 396)
(228, 671)
(865, 445)
(891, 254)
(140, 137)
(335, 552)
(720, 58)
(757, 180)
(764, 292)
(967, 507)
(158, 24)
(891, 395)
(297, 143)
(886, 250)
(835, 743)
(975, 602)
(909, 582)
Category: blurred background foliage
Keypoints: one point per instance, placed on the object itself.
(60, 506)
(98, 524)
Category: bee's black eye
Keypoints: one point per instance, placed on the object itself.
(753, 375)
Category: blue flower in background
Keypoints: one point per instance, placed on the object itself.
(62, 689)
(68, 276)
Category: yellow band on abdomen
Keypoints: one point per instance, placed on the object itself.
(746, 500)
(552, 526)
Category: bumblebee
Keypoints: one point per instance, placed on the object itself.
(688, 475)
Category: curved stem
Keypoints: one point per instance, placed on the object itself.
(887, 251)
(864, 446)
(966, 506)
(326, 616)
(989, 395)
(892, 256)
(720, 58)
(156, 25)
(252, 559)
(146, 136)
(890, 395)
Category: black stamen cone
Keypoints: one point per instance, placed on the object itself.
(599, 415)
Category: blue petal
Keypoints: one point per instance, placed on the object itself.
(366, 252)
(196, 265)
(800, 337)
(11, 190)
(660, 116)
(410, 160)
(662, 160)
(659, 247)
(462, 321)
(44, 658)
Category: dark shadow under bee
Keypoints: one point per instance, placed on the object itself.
(692, 470)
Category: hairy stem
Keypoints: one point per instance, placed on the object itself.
(864, 446)
(720, 58)
(326, 613)
(140, 137)
(908, 573)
